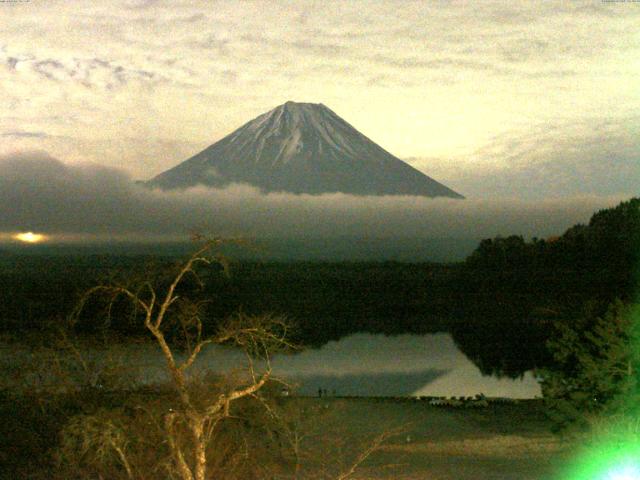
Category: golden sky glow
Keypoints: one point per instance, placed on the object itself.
(462, 89)
(29, 237)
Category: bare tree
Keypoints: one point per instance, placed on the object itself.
(223, 426)
(258, 336)
(319, 443)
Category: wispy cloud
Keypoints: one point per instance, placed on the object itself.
(141, 4)
(88, 72)
(427, 79)
(598, 156)
(24, 134)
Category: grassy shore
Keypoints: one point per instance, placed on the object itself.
(501, 441)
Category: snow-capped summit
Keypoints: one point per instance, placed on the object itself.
(301, 148)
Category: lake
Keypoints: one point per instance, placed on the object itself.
(357, 365)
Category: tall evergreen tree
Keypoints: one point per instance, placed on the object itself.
(596, 366)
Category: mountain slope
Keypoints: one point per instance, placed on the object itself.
(301, 148)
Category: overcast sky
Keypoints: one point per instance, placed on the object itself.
(492, 98)
(512, 104)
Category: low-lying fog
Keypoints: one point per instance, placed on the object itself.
(88, 202)
(361, 364)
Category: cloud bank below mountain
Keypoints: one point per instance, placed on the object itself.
(70, 201)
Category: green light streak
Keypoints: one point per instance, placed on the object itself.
(607, 461)
(612, 452)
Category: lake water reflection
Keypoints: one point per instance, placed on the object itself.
(360, 364)
(365, 364)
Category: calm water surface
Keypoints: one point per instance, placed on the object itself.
(361, 364)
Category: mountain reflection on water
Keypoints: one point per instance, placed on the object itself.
(357, 365)
(403, 365)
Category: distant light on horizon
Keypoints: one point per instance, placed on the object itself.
(30, 237)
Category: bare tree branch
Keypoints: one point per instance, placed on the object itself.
(258, 336)
(194, 354)
(366, 453)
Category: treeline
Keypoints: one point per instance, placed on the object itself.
(499, 304)
(37, 291)
(510, 291)
(325, 301)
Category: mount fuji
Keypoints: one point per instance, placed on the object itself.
(301, 148)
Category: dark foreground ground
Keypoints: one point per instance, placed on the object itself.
(506, 442)
(499, 441)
